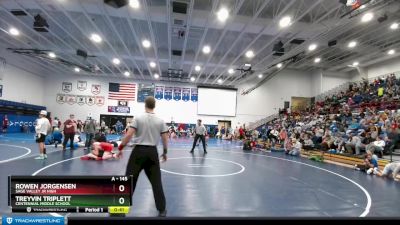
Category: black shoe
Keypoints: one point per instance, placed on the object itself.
(191, 151)
(162, 213)
(205, 152)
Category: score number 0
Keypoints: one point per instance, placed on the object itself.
(121, 200)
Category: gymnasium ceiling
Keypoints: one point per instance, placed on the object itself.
(251, 25)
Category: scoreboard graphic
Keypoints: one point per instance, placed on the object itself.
(78, 194)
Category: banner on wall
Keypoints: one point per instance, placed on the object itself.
(185, 94)
(66, 87)
(159, 92)
(177, 93)
(60, 98)
(82, 85)
(145, 90)
(71, 99)
(96, 88)
(17, 122)
(80, 100)
(194, 96)
(119, 109)
(168, 93)
(90, 100)
(99, 100)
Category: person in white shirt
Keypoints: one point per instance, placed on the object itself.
(200, 132)
(391, 169)
(55, 123)
(378, 146)
(296, 149)
(42, 128)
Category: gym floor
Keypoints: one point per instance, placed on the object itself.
(224, 183)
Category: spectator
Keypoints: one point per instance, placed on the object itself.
(90, 130)
(69, 132)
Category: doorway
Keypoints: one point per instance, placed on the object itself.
(112, 120)
(226, 124)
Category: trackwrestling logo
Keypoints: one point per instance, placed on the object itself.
(33, 220)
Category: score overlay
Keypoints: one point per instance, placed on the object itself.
(80, 194)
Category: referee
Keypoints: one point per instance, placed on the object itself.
(144, 133)
(200, 132)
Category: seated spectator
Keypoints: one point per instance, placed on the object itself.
(296, 148)
(308, 144)
(378, 146)
(354, 140)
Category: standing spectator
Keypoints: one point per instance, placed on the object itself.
(42, 128)
(102, 126)
(5, 124)
(55, 123)
(222, 132)
(69, 132)
(90, 130)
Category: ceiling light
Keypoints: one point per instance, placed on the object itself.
(14, 31)
(260, 76)
(192, 79)
(219, 81)
(279, 65)
(146, 43)
(116, 61)
(367, 17)
(317, 60)
(391, 51)
(250, 54)
(223, 14)
(153, 64)
(52, 55)
(77, 69)
(312, 47)
(206, 49)
(285, 21)
(231, 71)
(352, 44)
(197, 68)
(126, 73)
(394, 26)
(355, 63)
(134, 4)
(156, 76)
(96, 38)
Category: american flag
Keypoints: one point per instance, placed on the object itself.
(119, 91)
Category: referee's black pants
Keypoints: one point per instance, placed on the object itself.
(146, 157)
(202, 138)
